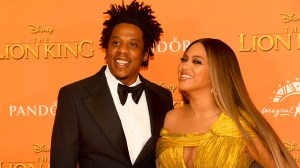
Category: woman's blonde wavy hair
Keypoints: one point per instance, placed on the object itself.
(232, 97)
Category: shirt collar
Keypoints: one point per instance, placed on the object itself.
(113, 81)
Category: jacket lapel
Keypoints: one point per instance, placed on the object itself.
(156, 117)
(101, 107)
(155, 112)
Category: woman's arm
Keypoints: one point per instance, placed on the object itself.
(261, 154)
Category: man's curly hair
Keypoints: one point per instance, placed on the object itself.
(138, 14)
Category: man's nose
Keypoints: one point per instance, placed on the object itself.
(123, 48)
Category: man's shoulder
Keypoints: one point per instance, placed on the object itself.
(90, 80)
(154, 86)
(158, 92)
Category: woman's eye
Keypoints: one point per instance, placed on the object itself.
(183, 59)
(197, 62)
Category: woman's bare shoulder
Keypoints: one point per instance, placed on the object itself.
(173, 117)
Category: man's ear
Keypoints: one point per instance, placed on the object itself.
(145, 57)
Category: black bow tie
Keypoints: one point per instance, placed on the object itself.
(136, 92)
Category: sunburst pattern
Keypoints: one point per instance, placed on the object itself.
(291, 88)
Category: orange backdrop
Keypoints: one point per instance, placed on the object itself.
(45, 45)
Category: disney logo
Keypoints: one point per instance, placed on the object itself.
(292, 147)
(39, 149)
(289, 17)
(39, 29)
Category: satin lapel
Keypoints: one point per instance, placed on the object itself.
(155, 113)
(101, 107)
(156, 121)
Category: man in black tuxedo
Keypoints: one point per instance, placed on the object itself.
(100, 121)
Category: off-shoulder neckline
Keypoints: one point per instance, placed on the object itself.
(166, 132)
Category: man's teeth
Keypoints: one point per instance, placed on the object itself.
(186, 76)
(122, 62)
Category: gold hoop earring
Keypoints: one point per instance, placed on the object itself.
(213, 91)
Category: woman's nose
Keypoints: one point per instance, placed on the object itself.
(186, 65)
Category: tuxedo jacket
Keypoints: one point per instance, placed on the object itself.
(87, 130)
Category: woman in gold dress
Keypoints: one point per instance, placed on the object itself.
(218, 125)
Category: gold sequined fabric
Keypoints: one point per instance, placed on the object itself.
(222, 147)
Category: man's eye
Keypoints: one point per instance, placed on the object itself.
(183, 59)
(132, 45)
(115, 42)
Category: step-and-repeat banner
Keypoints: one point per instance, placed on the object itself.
(45, 45)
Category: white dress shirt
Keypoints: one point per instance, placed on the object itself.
(134, 117)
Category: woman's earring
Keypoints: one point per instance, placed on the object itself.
(213, 91)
